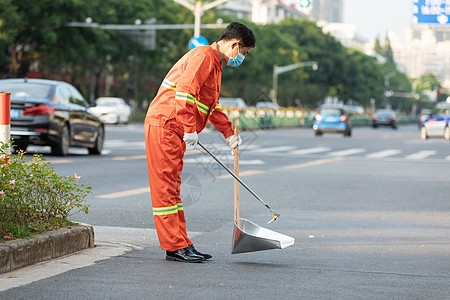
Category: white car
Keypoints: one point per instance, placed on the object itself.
(112, 110)
(438, 123)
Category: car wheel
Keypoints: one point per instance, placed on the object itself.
(447, 133)
(423, 133)
(20, 147)
(348, 133)
(61, 148)
(318, 133)
(98, 146)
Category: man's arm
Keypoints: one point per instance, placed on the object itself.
(220, 120)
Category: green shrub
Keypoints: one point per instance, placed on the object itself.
(33, 198)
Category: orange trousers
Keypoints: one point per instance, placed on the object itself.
(165, 150)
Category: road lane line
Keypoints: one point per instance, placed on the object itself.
(125, 193)
(310, 150)
(421, 154)
(347, 152)
(384, 153)
(314, 163)
(242, 174)
(273, 149)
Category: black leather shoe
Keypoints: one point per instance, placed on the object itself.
(205, 255)
(184, 255)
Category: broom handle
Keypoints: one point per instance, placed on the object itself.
(236, 171)
(235, 177)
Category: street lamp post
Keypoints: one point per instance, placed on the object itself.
(279, 70)
(198, 9)
(387, 94)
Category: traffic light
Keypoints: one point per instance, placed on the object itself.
(305, 3)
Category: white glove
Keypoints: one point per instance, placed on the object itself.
(234, 141)
(191, 139)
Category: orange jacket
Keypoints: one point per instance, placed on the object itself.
(189, 94)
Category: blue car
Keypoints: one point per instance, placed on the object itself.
(438, 123)
(332, 119)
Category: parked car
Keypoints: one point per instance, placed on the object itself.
(52, 113)
(267, 105)
(438, 123)
(423, 115)
(233, 103)
(112, 110)
(332, 119)
(385, 117)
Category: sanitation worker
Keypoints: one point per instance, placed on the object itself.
(187, 98)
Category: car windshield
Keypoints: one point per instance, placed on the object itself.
(27, 90)
(330, 111)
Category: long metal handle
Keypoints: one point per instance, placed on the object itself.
(275, 215)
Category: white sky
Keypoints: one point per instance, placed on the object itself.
(376, 17)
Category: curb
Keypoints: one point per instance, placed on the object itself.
(49, 245)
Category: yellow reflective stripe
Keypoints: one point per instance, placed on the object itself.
(202, 107)
(168, 84)
(185, 97)
(168, 210)
(161, 211)
(218, 106)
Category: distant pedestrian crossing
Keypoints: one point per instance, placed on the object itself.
(289, 150)
(352, 152)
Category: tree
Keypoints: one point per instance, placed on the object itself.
(9, 22)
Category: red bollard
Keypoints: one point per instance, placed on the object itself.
(5, 117)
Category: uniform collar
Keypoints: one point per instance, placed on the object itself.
(217, 57)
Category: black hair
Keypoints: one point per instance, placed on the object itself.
(241, 32)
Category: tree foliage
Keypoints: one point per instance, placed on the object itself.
(34, 35)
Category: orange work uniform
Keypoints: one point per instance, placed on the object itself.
(187, 98)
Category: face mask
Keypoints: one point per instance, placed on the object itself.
(237, 61)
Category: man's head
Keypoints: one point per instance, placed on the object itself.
(239, 32)
(235, 43)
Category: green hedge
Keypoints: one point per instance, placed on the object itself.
(252, 119)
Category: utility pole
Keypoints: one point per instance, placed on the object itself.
(198, 9)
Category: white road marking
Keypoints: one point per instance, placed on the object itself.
(347, 152)
(243, 174)
(228, 159)
(384, 153)
(273, 149)
(421, 154)
(310, 150)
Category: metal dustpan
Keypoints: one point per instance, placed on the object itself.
(247, 236)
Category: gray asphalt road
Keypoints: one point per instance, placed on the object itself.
(370, 215)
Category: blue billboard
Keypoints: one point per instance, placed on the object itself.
(431, 12)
